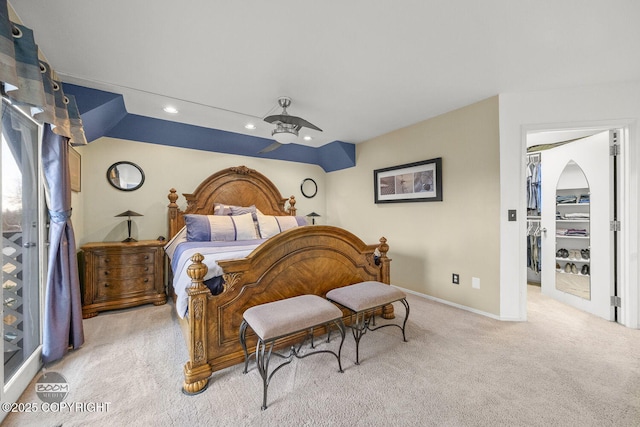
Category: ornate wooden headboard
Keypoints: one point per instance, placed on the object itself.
(239, 186)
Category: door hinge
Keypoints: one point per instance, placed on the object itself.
(614, 150)
(614, 226)
(616, 301)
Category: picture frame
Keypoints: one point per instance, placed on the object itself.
(411, 182)
(75, 163)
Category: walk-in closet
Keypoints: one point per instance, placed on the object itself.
(570, 190)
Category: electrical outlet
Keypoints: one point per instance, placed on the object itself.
(475, 283)
(455, 279)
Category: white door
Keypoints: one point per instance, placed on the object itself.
(590, 156)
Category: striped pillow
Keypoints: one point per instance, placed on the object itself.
(271, 225)
(211, 228)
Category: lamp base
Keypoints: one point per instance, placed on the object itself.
(129, 239)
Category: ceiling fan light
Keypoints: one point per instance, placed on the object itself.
(285, 135)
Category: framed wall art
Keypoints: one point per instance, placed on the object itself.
(412, 182)
(74, 169)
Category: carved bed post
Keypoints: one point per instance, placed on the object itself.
(197, 371)
(292, 206)
(173, 212)
(387, 310)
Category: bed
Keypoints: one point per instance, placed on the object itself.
(308, 259)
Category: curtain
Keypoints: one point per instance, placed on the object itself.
(30, 82)
(62, 304)
(33, 86)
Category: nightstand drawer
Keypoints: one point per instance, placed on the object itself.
(111, 258)
(130, 271)
(124, 288)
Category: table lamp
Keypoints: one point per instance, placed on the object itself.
(313, 216)
(129, 214)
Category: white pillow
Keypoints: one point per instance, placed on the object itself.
(271, 225)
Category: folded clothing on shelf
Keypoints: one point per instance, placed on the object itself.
(566, 199)
(571, 232)
(575, 215)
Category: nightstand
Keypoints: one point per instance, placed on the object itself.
(119, 275)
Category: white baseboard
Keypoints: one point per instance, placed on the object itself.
(453, 304)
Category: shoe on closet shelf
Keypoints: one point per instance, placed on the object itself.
(558, 266)
(585, 270)
(567, 268)
(574, 269)
(584, 253)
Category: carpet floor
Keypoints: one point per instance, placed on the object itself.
(562, 367)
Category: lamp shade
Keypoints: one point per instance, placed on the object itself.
(129, 213)
(285, 133)
(285, 137)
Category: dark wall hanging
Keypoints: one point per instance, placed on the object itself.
(412, 182)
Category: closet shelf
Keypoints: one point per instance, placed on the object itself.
(581, 260)
(571, 274)
(572, 237)
(573, 204)
(573, 220)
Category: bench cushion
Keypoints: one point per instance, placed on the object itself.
(284, 317)
(365, 295)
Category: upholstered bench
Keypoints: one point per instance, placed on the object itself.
(283, 318)
(363, 299)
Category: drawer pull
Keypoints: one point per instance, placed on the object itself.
(146, 269)
(106, 273)
(106, 285)
(106, 260)
(146, 257)
(146, 280)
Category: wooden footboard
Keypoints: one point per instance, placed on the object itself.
(304, 260)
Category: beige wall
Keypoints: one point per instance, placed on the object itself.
(430, 241)
(166, 167)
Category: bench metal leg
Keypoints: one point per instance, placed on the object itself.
(243, 343)
(264, 351)
(362, 324)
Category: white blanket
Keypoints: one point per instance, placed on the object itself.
(181, 281)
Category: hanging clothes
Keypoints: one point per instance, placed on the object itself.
(534, 246)
(534, 181)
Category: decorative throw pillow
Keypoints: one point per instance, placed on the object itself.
(210, 228)
(220, 209)
(271, 225)
(241, 210)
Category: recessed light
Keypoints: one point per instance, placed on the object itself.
(171, 110)
(307, 138)
(250, 126)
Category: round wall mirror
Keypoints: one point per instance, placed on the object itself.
(309, 188)
(125, 176)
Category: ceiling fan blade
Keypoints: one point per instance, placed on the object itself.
(291, 120)
(270, 148)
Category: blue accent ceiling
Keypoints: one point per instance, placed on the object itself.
(104, 114)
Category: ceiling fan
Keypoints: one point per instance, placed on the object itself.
(287, 126)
